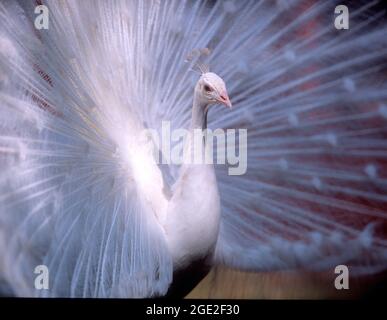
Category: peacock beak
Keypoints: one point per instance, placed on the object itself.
(224, 99)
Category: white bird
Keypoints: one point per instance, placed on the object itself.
(81, 194)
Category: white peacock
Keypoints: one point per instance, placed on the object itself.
(79, 194)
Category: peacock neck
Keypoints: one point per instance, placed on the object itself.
(199, 114)
(195, 146)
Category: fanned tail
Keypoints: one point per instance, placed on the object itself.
(313, 99)
(70, 197)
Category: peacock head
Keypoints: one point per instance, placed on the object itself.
(212, 89)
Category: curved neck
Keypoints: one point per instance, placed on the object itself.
(194, 149)
(199, 114)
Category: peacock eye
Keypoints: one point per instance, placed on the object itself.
(207, 88)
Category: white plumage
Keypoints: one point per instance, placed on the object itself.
(81, 194)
